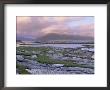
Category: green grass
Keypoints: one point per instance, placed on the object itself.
(28, 50)
(33, 48)
(21, 69)
(46, 60)
(68, 63)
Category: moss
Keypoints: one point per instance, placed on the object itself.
(21, 69)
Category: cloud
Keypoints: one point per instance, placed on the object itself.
(85, 30)
(60, 19)
(56, 29)
(37, 26)
(87, 27)
(31, 25)
(23, 19)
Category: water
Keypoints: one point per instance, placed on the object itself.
(55, 45)
(59, 46)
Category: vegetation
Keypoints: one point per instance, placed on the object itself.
(21, 69)
(67, 63)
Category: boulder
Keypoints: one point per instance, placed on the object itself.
(38, 52)
(33, 52)
(92, 57)
(76, 58)
(56, 56)
(66, 58)
(58, 65)
(50, 52)
(19, 57)
(34, 56)
(18, 52)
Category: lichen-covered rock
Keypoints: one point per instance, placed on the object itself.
(57, 56)
(92, 57)
(50, 52)
(19, 57)
(33, 56)
(58, 65)
(34, 52)
(66, 58)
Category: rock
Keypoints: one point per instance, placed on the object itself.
(76, 58)
(33, 52)
(88, 49)
(33, 56)
(50, 52)
(58, 65)
(66, 58)
(19, 57)
(56, 56)
(85, 62)
(57, 50)
(92, 57)
(22, 50)
(27, 57)
(60, 54)
(88, 71)
(18, 52)
(17, 71)
(29, 64)
(34, 67)
(27, 52)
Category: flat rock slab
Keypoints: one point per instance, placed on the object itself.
(19, 57)
(58, 65)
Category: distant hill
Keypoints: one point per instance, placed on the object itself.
(19, 41)
(54, 36)
(22, 38)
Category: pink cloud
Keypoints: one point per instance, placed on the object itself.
(23, 19)
(85, 30)
(56, 29)
(87, 27)
(38, 26)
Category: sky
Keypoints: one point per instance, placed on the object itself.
(36, 26)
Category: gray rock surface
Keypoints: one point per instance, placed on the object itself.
(33, 56)
(35, 67)
(78, 56)
(19, 57)
(57, 65)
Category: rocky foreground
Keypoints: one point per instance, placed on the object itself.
(50, 60)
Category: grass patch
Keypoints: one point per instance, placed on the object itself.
(28, 50)
(21, 69)
(67, 63)
(46, 60)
